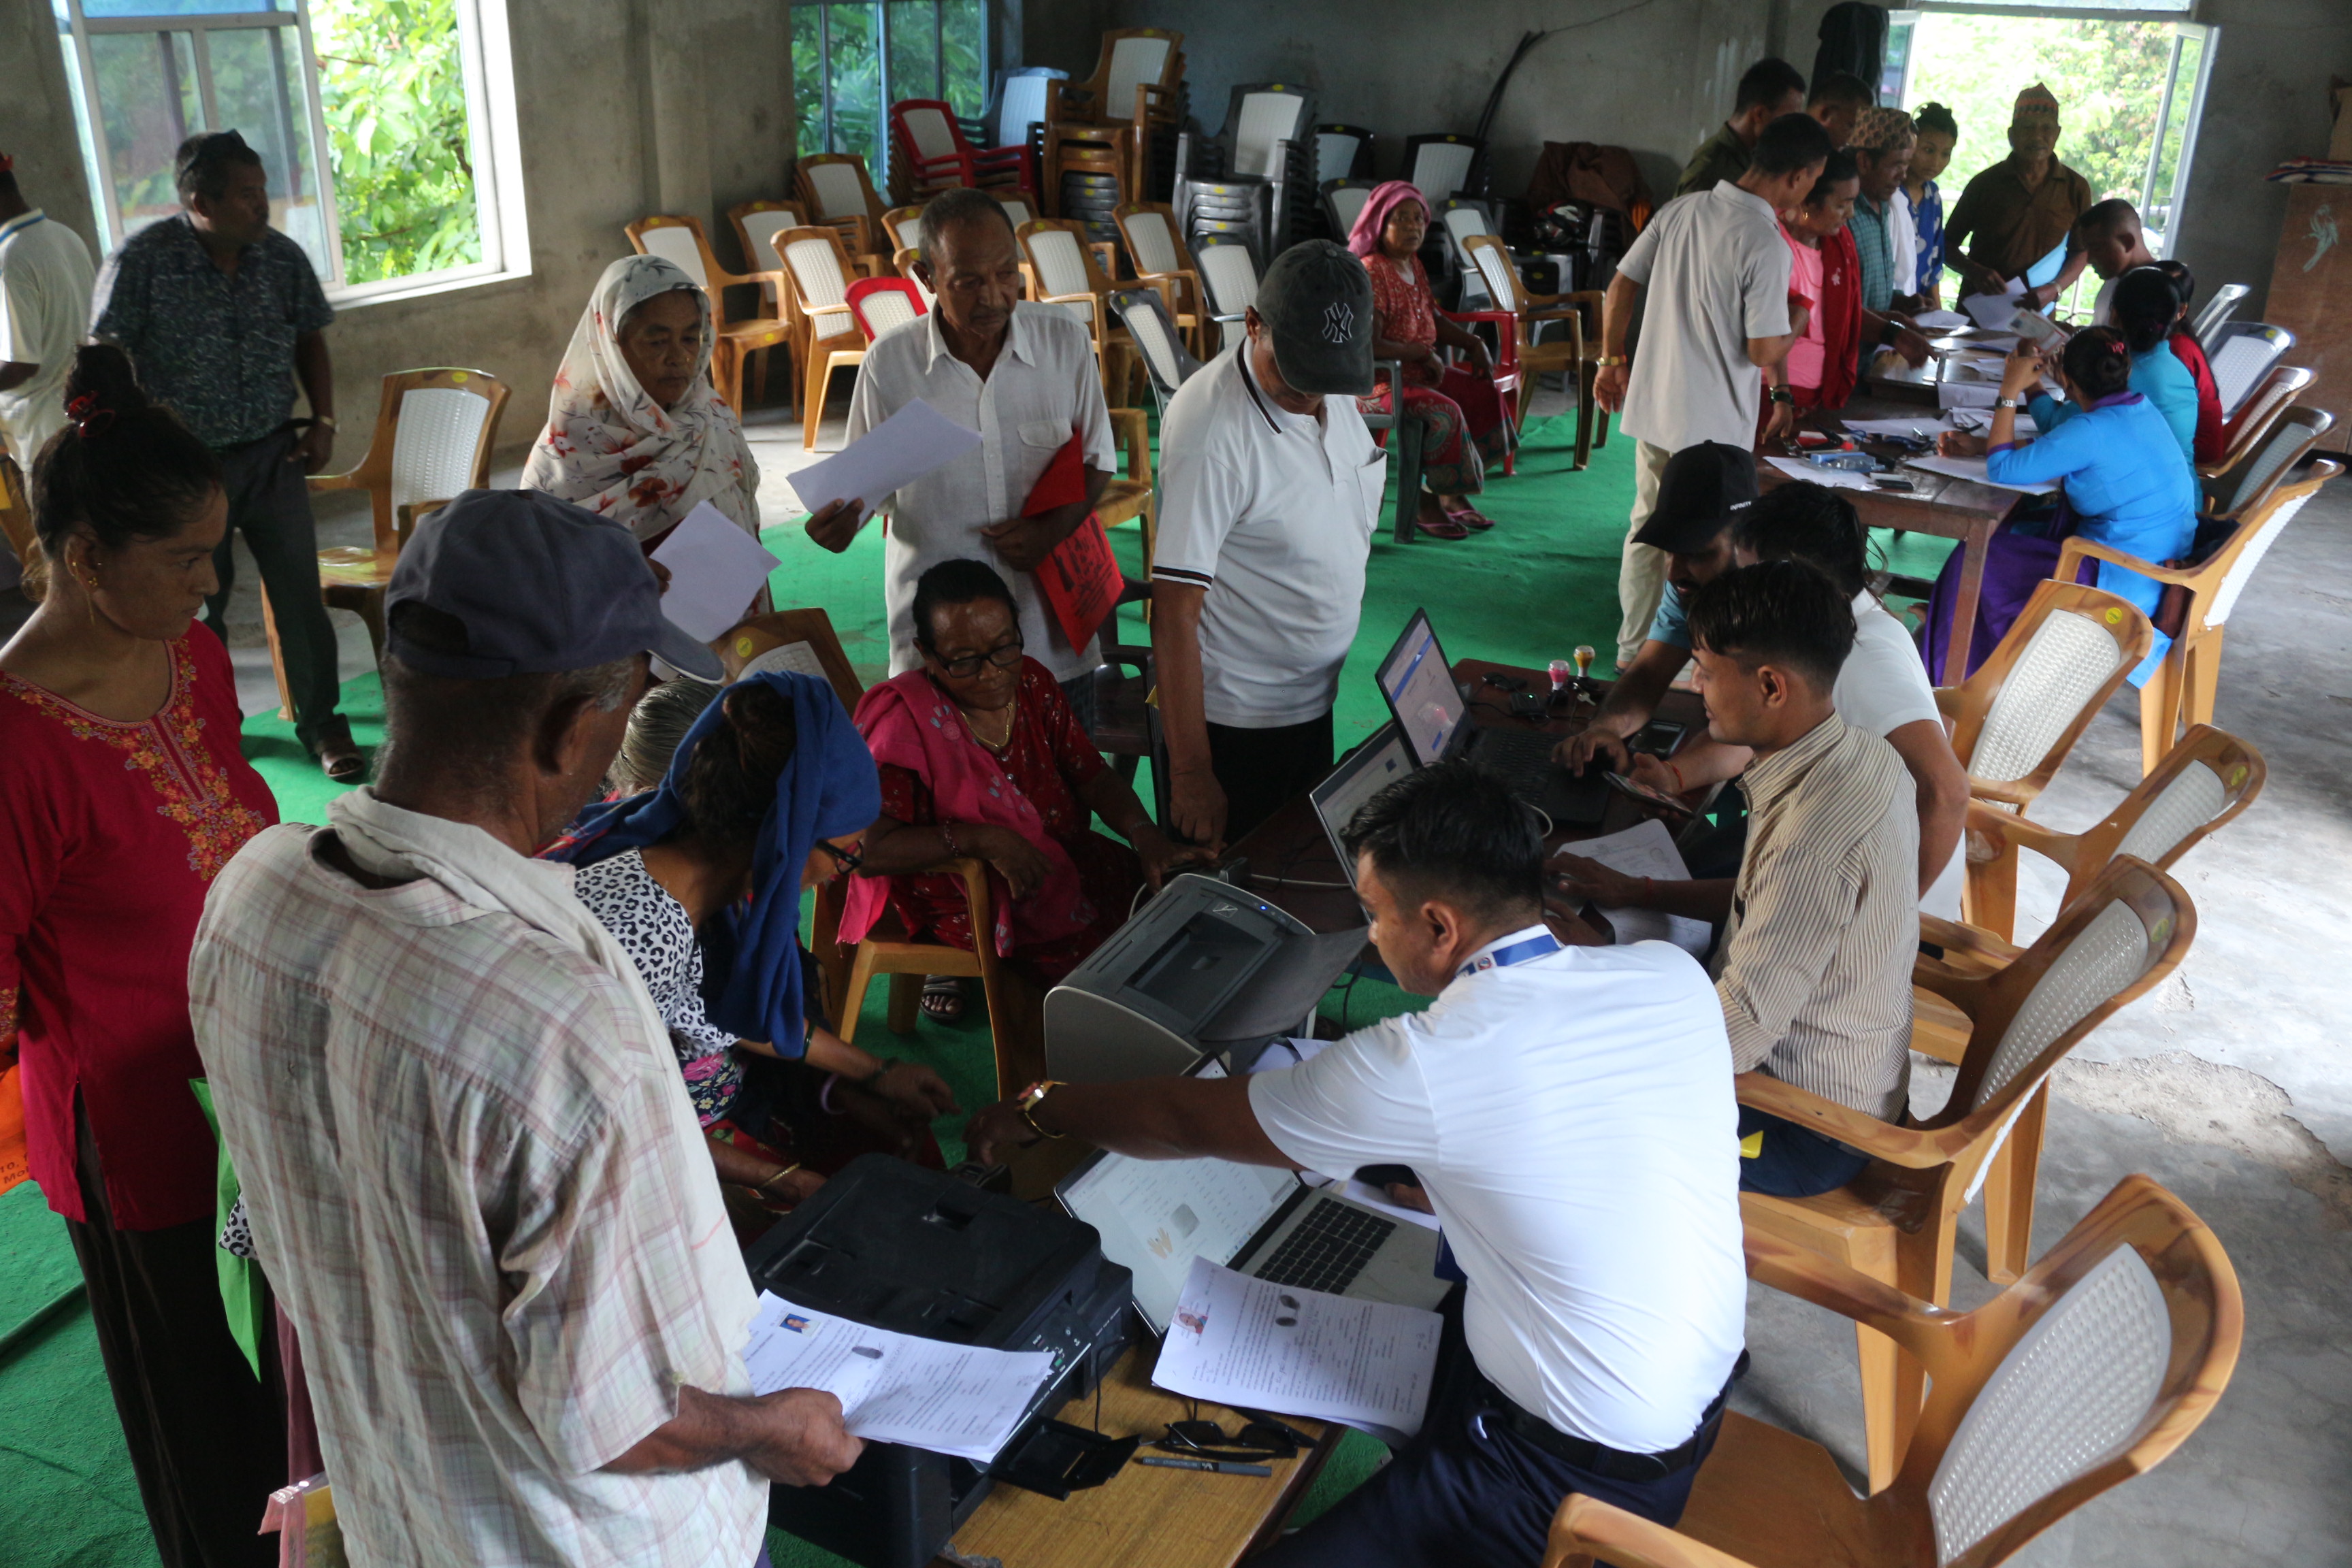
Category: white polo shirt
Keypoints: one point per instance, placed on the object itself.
(1273, 513)
(1571, 1119)
(1043, 386)
(1715, 273)
(45, 278)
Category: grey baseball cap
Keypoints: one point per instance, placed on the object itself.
(540, 584)
(1316, 303)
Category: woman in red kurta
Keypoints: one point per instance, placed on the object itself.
(121, 795)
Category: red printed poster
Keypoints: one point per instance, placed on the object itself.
(1081, 578)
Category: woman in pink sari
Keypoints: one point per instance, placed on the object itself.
(980, 755)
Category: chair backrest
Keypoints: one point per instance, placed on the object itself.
(673, 239)
(1021, 98)
(880, 304)
(434, 432)
(821, 273)
(1342, 152)
(2248, 482)
(905, 227)
(2267, 522)
(1132, 56)
(1465, 217)
(1150, 230)
(1439, 165)
(2058, 664)
(2271, 399)
(905, 262)
(1016, 206)
(1166, 360)
(930, 127)
(1495, 269)
(1057, 254)
(1343, 202)
(2217, 311)
(757, 224)
(2204, 781)
(1262, 116)
(836, 184)
(2244, 353)
(1228, 272)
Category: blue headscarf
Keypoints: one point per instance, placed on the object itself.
(752, 959)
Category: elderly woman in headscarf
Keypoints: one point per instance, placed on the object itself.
(769, 793)
(633, 430)
(1464, 426)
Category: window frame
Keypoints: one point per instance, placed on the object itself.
(885, 152)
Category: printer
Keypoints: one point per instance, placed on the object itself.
(921, 1252)
(1206, 969)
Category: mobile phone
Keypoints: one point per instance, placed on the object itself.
(1502, 682)
(1644, 794)
(1658, 737)
(1526, 705)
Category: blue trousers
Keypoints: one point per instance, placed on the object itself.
(1796, 1162)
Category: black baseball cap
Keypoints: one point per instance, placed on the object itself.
(1317, 303)
(1702, 489)
(540, 584)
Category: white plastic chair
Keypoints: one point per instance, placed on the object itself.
(1229, 273)
(2217, 311)
(1440, 168)
(1134, 61)
(821, 276)
(2242, 355)
(2016, 717)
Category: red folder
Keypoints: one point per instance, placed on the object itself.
(1081, 579)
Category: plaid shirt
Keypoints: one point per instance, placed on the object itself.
(218, 349)
(1874, 236)
(475, 1186)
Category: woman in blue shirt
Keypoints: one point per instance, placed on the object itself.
(2119, 469)
(1939, 133)
(2145, 307)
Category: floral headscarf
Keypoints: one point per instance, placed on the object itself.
(610, 447)
(1364, 238)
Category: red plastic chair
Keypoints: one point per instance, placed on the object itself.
(879, 304)
(932, 146)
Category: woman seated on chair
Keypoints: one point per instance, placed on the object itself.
(745, 801)
(2145, 306)
(2122, 480)
(980, 755)
(633, 430)
(1464, 426)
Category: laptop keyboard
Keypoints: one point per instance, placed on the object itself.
(1521, 759)
(1328, 1248)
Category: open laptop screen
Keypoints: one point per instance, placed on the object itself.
(1368, 769)
(1419, 686)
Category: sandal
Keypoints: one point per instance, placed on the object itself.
(944, 998)
(1469, 517)
(1447, 528)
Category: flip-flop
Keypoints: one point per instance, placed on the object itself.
(1469, 517)
(1448, 529)
(943, 999)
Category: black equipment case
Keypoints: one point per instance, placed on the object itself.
(893, 1245)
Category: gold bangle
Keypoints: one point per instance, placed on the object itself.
(779, 1175)
(1030, 1099)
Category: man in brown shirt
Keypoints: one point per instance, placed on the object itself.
(1771, 89)
(1813, 969)
(2018, 214)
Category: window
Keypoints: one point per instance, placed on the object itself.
(368, 114)
(853, 59)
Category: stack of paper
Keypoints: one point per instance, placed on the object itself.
(959, 1400)
(715, 571)
(1938, 320)
(1974, 469)
(1836, 479)
(1646, 849)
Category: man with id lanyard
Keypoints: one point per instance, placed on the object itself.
(1568, 1112)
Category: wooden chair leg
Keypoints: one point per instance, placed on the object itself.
(277, 658)
(853, 994)
(2159, 709)
(906, 1002)
(814, 414)
(1988, 892)
(1879, 1360)
(1016, 1028)
(2200, 678)
(1922, 1265)
(2009, 1192)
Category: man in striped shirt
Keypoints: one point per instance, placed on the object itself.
(1813, 969)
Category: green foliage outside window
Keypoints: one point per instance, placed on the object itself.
(393, 86)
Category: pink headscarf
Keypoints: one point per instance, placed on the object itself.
(1364, 239)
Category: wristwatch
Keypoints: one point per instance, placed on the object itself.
(1780, 395)
(2004, 402)
(1610, 361)
(1026, 1103)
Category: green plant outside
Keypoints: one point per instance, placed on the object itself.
(392, 85)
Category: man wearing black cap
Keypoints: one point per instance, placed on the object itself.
(470, 1175)
(1269, 487)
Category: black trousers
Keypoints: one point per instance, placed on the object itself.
(207, 1439)
(269, 504)
(1260, 769)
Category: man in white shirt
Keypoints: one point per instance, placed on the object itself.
(470, 1173)
(1022, 375)
(1569, 1111)
(1711, 274)
(45, 278)
(1269, 490)
(1709, 519)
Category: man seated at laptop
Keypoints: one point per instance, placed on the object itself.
(1882, 687)
(1822, 923)
(1568, 1112)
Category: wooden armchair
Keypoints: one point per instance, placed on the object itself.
(733, 339)
(1064, 271)
(1098, 125)
(1895, 1222)
(2087, 1373)
(1578, 358)
(838, 194)
(756, 226)
(2198, 598)
(824, 325)
(905, 226)
(1156, 247)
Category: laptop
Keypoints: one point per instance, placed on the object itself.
(1416, 681)
(1155, 1216)
(1361, 775)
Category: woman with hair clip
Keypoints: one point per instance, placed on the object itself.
(122, 793)
(767, 792)
(2121, 482)
(2212, 445)
(2144, 307)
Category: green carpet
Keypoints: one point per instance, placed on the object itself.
(1543, 581)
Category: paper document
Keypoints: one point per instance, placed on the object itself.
(1995, 312)
(1974, 469)
(899, 451)
(787, 658)
(1646, 849)
(959, 1400)
(715, 571)
(1244, 1342)
(1938, 320)
(1836, 479)
(1965, 395)
(1925, 426)
(1976, 421)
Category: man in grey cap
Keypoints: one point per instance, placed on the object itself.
(469, 1172)
(1269, 487)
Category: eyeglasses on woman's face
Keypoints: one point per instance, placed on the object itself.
(1003, 656)
(847, 859)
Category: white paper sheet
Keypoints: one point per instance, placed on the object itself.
(1995, 312)
(788, 658)
(899, 451)
(1244, 1342)
(1925, 426)
(1965, 395)
(1646, 849)
(1976, 421)
(959, 1400)
(1974, 469)
(1836, 479)
(715, 571)
(1939, 321)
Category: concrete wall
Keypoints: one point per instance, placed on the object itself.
(628, 107)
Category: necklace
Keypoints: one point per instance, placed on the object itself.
(978, 734)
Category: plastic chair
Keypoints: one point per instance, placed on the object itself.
(1132, 499)
(16, 514)
(1017, 109)
(2182, 688)
(1158, 343)
(1343, 152)
(1017, 206)
(905, 261)
(1066, 274)
(821, 276)
(1523, 353)
(734, 339)
(2242, 430)
(1458, 219)
(2217, 313)
(1229, 278)
(1895, 1222)
(935, 154)
(1343, 202)
(880, 305)
(905, 226)
(433, 433)
(2242, 355)
(1156, 248)
(2087, 1373)
(1442, 164)
(756, 224)
(837, 191)
(1247, 179)
(1095, 127)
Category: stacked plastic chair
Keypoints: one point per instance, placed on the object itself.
(1256, 177)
